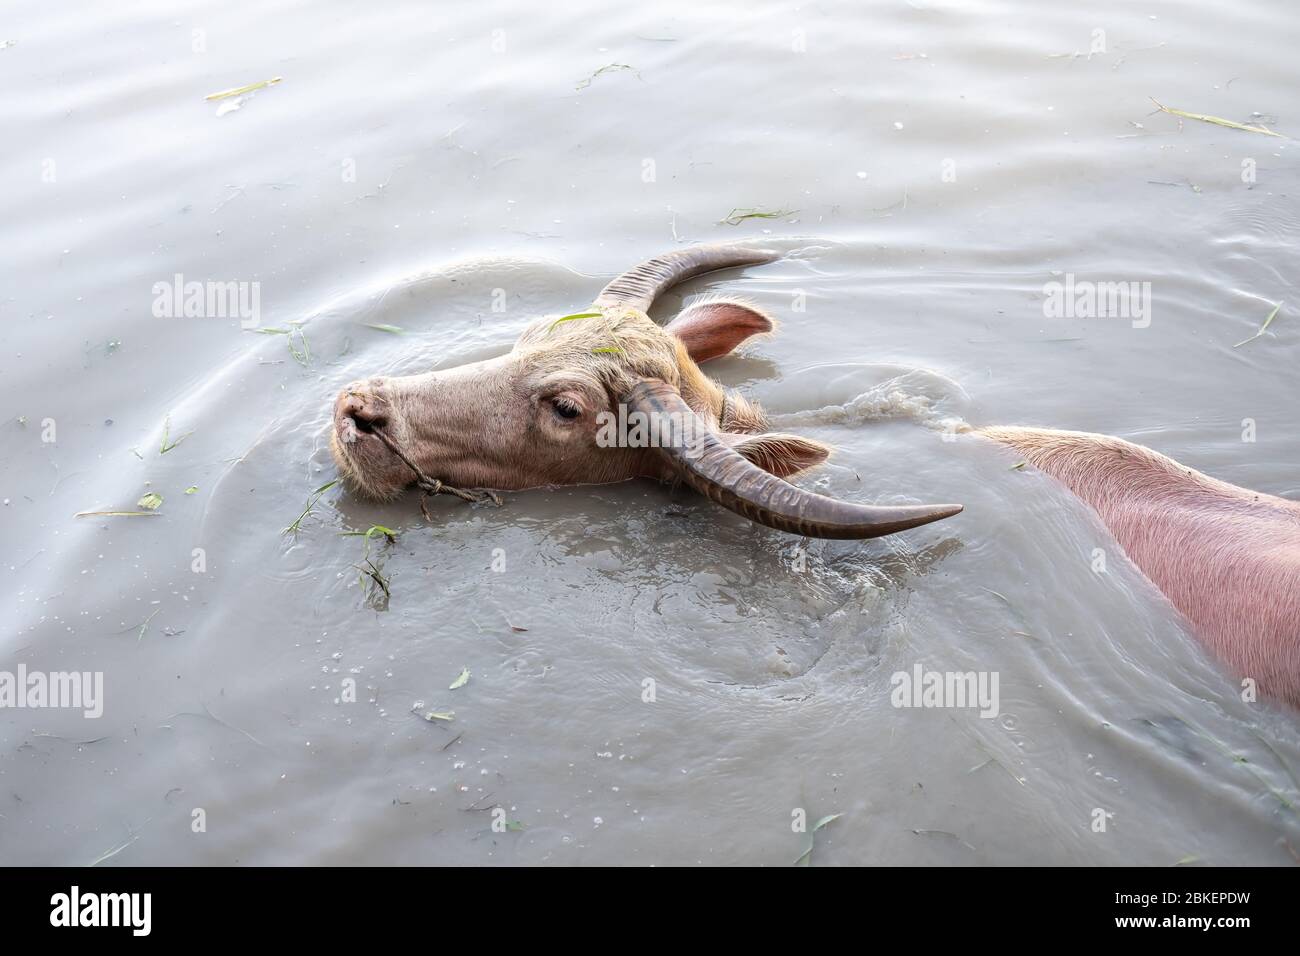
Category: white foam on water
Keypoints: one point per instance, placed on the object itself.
(916, 395)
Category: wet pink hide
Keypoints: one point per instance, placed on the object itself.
(1228, 558)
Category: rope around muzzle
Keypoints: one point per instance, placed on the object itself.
(432, 486)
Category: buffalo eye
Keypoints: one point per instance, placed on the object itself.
(565, 407)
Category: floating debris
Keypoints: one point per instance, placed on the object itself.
(167, 445)
(109, 854)
(805, 858)
(233, 99)
(1216, 120)
(460, 681)
(144, 626)
(375, 573)
(1263, 328)
(302, 357)
(739, 215)
(311, 503)
(242, 90)
(1164, 182)
(607, 68)
(374, 531)
(150, 502)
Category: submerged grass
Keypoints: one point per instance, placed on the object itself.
(378, 592)
(740, 214)
(607, 68)
(378, 584)
(302, 357)
(805, 858)
(1241, 760)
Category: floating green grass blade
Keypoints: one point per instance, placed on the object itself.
(241, 90)
(1263, 328)
(168, 445)
(373, 531)
(311, 503)
(144, 626)
(805, 858)
(1216, 120)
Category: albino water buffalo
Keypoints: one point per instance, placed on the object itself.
(540, 415)
(556, 409)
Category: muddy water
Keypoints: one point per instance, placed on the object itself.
(453, 176)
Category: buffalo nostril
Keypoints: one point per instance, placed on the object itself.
(363, 410)
(367, 423)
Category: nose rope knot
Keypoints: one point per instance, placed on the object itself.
(432, 486)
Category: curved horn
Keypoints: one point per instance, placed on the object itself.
(725, 476)
(638, 287)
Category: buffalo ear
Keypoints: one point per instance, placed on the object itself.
(780, 454)
(712, 328)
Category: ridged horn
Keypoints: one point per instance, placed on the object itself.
(639, 286)
(726, 477)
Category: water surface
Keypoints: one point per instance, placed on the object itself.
(417, 166)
